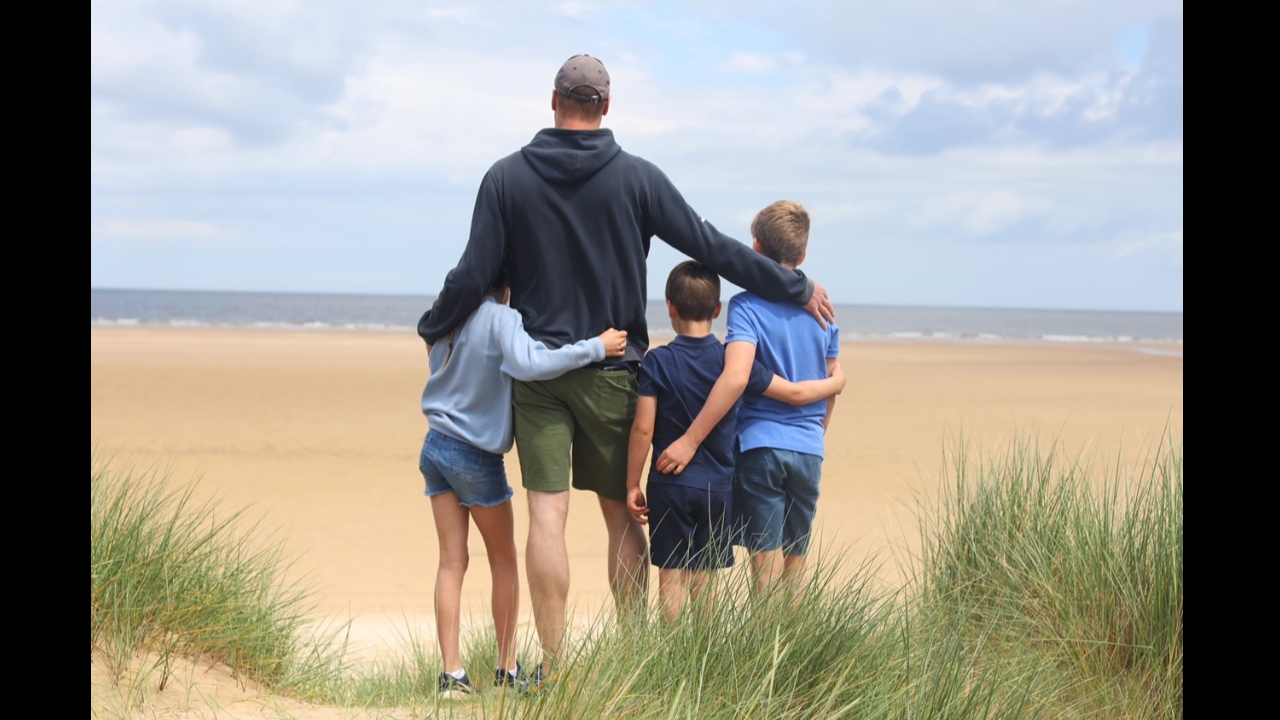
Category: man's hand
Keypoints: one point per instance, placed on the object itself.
(637, 506)
(819, 306)
(615, 342)
(677, 456)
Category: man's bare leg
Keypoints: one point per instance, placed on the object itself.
(628, 558)
(546, 560)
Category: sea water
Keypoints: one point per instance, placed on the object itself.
(400, 313)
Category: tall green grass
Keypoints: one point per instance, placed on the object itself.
(1079, 568)
(1043, 590)
(176, 578)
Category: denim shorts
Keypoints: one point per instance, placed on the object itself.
(775, 495)
(689, 527)
(449, 465)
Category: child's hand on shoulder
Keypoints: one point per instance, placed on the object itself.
(637, 506)
(615, 342)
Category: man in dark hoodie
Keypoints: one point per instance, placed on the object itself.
(571, 216)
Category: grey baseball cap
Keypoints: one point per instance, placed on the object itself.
(583, 73)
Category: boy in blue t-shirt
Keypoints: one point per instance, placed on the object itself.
(780, 446)
(691, 510)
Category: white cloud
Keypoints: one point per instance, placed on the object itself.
(1166, 244)
(157, 228)
(162, 232)
(577, 10)
(925, 126)
(751, 63)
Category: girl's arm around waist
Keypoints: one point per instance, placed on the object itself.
(526, 359)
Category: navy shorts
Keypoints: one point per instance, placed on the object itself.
(689, 527)
(449, 465)
(775, 495)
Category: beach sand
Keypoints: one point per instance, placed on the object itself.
(319, 432)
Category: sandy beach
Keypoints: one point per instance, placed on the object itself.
(319, 432)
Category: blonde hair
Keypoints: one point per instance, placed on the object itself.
(783, 231)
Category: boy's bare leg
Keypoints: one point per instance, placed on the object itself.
(700, 582)
(628, 558)
(497, 527)
(767, 566)
(547, 563)
(793, 568)
(672, 591)
(451, 530)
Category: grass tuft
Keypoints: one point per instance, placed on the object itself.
(178, 578)
(1032, 548)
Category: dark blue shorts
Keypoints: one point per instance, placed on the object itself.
(689, 527)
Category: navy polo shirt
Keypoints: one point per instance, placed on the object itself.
(680, 375)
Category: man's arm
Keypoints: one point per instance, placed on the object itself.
(681, 228)
(466, 284)
(637, 451)
(738, 359)
(808, 391)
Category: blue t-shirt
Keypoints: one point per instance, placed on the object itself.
(792, 344)
(680, 375)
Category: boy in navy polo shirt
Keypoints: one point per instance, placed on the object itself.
(691, 509)
(779, 462)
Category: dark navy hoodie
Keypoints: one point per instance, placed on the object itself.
(571, 217)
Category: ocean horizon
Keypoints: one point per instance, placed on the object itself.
(113, 307)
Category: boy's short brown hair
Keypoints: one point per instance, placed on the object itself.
(694, 290)
(783, 231)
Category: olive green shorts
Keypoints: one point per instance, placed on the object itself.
(580, 421)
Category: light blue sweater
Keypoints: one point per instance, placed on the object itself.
(468, 398)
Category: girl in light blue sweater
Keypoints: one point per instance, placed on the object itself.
(468, 407)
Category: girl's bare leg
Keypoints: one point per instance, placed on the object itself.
(451, 529)
(497, 527)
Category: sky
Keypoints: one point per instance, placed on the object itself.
(991, 153)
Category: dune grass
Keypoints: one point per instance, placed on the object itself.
(175, 578)
(1043, 590)
(1080, 569)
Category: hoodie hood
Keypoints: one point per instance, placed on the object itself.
(570, 157)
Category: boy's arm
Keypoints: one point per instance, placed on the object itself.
(833, 367)
(637, 451)
(808, 391)
(738, 359)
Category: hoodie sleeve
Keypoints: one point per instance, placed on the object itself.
(681, 228)
(528, 360)
(466, 284)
